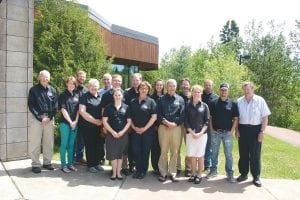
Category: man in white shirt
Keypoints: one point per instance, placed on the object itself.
(253, 120)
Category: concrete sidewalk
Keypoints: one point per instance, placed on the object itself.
(18, 182)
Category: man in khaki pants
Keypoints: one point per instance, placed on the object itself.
(170, 117)
(42, 103)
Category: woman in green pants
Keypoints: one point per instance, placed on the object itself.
(68, 103)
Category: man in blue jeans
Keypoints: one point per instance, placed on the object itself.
(207, 97)
(223, 121)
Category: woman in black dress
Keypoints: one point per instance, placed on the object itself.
(116, 120)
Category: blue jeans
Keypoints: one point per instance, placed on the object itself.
(67, 136)
(227, 141)
(141, 145)
(207, 155)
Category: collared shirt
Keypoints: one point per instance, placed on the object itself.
(129, 95)
(92, 104)
(108, 98)
(102, 91)
(222, 113)
(155, 97)
(196, 116)
(42, 101)
(117, 118)
(171, 108)
(141, 112)
(185, 98)
(208, 98)
(70, 102)
(81, 90)
(252, 112)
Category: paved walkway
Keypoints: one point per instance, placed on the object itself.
(283, 134)
(18, 182)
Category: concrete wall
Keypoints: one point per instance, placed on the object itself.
(16, 48)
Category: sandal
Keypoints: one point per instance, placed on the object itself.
(162, 178)
(191, 179)
(65, 169)
(197, 180)
(72, 168)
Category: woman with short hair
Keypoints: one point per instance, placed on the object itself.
(68, 103)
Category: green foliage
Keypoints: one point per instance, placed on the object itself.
(229, 32)
(274, 72)
(175, 64)
(65, 41)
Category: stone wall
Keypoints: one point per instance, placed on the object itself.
(16, 62)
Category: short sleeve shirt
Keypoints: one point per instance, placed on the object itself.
(222, 113)
(252, 112)
(141, 112)
(92, 104)
(70, 102)
(117, 118)
(196, 116)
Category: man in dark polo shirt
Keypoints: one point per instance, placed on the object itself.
(207, 97)
(185, 94)
(129, 95)
(170, 117)
(42, 103)
(79, 146)
(223, 122)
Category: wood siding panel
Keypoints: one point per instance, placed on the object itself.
(127, 50)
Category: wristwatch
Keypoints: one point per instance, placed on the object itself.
(262, 131)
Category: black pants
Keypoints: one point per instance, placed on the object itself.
(92, 143)
(155, 152)
(249, 150)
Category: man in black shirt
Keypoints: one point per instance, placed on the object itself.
(207, 97)
(42, 103)
(81, 90)
(129, 95)
(185, 94)
(224, 115)
(170, 116)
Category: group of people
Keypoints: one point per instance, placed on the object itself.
(125, 127)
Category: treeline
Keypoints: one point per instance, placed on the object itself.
(266, 57)
(66, 40)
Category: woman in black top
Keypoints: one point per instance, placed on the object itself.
(117, 121)
(143, 115)
(155, 148)
(196, 123)
(89, 109)
(68, 103)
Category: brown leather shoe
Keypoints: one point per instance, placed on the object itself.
(82, 162)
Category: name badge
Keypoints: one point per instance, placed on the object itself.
(144, 107)
(49, 94)
(75, 99)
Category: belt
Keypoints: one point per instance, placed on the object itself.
(249, 125)
(221, 130)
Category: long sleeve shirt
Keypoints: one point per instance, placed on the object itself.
(42, 101)
(171, 108)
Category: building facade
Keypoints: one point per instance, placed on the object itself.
(131, 51)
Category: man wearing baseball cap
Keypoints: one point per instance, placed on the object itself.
(223, 121)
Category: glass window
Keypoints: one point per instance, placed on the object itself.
(125, 71)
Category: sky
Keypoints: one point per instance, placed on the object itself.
(192, 22)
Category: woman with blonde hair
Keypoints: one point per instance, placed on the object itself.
(196, 123)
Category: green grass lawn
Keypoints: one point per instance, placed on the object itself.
(279, 159)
